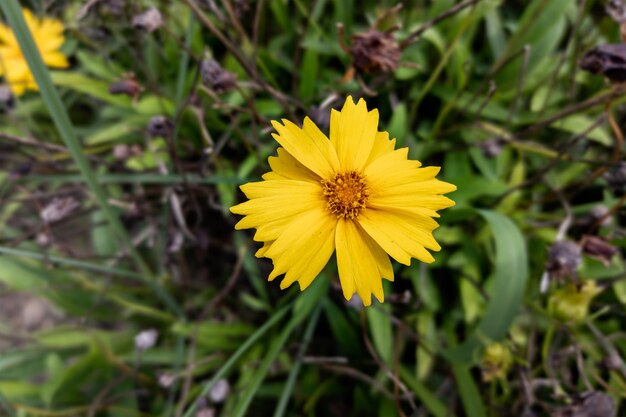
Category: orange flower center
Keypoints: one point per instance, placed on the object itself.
(346, 194)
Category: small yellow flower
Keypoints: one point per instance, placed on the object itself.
(48, 36)
(353, 194)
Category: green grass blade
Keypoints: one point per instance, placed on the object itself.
(278, 315)
(428, 399)
(56, 108)
(6, 406)
(507, 292)
(307, 303)
(139, 178)
(295, 370)
(470, 396)
(59, 260)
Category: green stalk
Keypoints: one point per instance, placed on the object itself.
(13, 13)
(237, 355)
(295, 370)
(51, 98)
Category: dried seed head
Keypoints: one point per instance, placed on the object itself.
(589, 404)
(58, 209)
(217, 77)
(600, 211)
(159, 126)
(128, 86)
(607, 60)
(148, 21)
(598, 248)
(564, 258)
(617, 10)
(375, 51)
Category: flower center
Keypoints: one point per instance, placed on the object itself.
(346, 194)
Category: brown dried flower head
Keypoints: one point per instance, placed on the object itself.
(599, 248)
(375, 51)
(148, 21)
(564, 258)
(219, 79)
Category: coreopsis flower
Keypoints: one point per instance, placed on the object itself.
(353, 194)
(48, 36)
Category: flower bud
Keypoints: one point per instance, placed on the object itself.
(571, 303)
(496, 362)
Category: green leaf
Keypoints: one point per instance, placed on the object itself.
(89, 86)
(472, 401)
(243, 348)
(430, 401)
(309, 75)
(382, 333)
(507, 291)
(56, 108)
(579, 123)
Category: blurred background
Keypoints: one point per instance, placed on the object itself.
(125, 291)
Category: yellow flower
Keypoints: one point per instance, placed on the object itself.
(353, 194)
(48, 36)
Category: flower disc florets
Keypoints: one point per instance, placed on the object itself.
(346, 194)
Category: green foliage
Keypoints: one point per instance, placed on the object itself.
(492, 92)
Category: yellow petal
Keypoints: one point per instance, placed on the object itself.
(393, 174)
(358, 260)
(18, 76)
(352, 132)
(9, 53)
(6, 35)
(51, 28)
(401, 235)
(382, 146)
(286, 187)
(47, 44)
(55, 60)
(419, 204)
(309, 146)
(272, 212)
(303, 249)
(31, 20)
(286, 166)
(261, 252)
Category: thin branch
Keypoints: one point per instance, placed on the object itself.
(450, 12)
